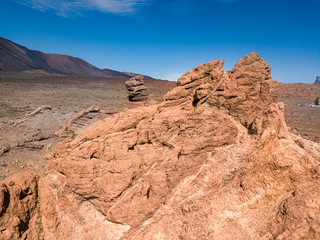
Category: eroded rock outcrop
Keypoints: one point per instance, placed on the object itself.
(215, 160)
(215, 155)
(246, 91)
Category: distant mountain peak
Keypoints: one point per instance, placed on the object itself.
(17, 58)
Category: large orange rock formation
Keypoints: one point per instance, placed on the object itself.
(215, 160)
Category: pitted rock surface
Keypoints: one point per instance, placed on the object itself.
(19, 209)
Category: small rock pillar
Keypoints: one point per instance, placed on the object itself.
(138, 94)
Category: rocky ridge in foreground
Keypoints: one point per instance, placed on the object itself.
(215, 160)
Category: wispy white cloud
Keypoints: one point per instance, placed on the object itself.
(67, 7)
(70, 7)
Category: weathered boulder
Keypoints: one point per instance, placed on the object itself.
(137, 91)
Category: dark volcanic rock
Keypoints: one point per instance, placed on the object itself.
(137, 91)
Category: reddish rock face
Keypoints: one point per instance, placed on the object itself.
(245, 91)
(215, 160)
(215, 155)
(19, 210)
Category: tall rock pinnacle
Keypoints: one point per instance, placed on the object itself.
(137, 91)
(138, 94)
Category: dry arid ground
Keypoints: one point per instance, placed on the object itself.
(302, 119)
(22, 93)
(35, 109)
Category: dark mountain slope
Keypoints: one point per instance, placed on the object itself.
(115, 73)
(17, 58)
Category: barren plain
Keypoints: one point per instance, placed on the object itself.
(35, 109)
(301, 119)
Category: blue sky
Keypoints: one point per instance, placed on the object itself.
(164, 39)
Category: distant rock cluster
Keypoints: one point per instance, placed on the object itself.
(308, 105)
(317, 80)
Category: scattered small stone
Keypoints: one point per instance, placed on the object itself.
(308, 105)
